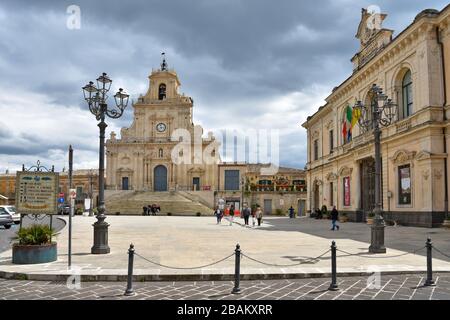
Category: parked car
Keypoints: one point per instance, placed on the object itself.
(14, 214)
(64, 209)
(6, 219)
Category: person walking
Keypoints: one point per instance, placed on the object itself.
(334, 218)
(218, 215)
(259, 215)
(231, 215)
(246, 212)
(291, 212)
(253, 217)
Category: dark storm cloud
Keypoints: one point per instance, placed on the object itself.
(231, 55)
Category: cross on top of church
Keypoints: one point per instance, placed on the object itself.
(164, 65)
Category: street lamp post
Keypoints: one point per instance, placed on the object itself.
(380, 113)
(91, 193)
(96, 98)
(242, 193)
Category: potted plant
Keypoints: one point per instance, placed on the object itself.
(34, 245)
(279, 212)
(343, 217)
(370, 218)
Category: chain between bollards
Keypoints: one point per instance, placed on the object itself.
(130, 291)
(237, 270)
(429, 282)
(333, 285)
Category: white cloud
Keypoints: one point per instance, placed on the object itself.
(38, 129)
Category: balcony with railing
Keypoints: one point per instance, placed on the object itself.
(293, 188)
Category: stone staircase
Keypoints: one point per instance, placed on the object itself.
(131, 203)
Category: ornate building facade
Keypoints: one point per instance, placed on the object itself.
(162, 150)
(413, 69)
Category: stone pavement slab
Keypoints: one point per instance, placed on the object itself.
(351, 288)
(287, 248)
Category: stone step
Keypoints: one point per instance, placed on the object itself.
(170, 202)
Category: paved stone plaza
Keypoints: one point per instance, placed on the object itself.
(286, 246)
(400, 287)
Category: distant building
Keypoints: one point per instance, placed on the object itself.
(273, 193)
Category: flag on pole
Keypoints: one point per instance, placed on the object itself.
(356, 115)
(347, 124)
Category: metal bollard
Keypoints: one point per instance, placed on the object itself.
(130, 291)
(429, 281)
(237, 270)
(333, 285)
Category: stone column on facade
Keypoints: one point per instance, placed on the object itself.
(114, 161)
(357, 185)
(425, 173)
(438, 185)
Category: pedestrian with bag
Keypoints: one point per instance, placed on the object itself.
(259, 215)
(334, 218)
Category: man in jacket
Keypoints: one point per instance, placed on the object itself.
(334, 218)
(246, 212)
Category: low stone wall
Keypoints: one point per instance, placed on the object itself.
(413, 219)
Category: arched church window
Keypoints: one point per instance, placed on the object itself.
(162, 91)
(160, 153)
(407, 94)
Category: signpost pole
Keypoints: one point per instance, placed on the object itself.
(71, 207)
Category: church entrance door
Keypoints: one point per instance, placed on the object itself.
(160, 176)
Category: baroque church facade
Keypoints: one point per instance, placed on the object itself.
(162, 150)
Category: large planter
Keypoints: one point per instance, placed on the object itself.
(31, 254)
(369, 220)
(343, 219)
(446, 224)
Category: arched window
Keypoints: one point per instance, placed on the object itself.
(160, 153)
(407, 94)
(162, 91)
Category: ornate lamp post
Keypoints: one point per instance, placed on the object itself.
(96, 98)
(91, 192)
(380, 113)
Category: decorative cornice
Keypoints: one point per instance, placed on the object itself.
(423, 155)
(331, 176)
(329, 124)
(345, 171)
(403, 156)
(317, 182)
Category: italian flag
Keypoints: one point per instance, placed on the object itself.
(347, 124)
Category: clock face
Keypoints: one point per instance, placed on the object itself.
(161, 127)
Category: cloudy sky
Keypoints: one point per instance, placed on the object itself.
(248, 64)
